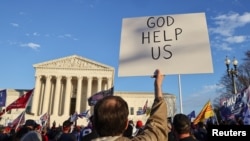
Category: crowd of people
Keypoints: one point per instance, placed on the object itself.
(110, 122)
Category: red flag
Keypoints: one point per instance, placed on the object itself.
(21, 102)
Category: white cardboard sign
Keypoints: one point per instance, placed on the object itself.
(175, 44)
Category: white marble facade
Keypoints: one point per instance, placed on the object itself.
(62, 87)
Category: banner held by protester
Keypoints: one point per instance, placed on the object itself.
(158, 41)
(99, 95)
(205, 113)
(21, 102)
(3, 97)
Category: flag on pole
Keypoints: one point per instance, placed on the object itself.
(191, 115)
(84, 114)
(74, 117)
(44, 118)
(18, 121)
(206, 112)
(2, 98)
(143, 110)
(21, 102)
(100, 95)
(145, 107)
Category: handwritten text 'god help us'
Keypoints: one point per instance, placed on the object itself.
(158, 36)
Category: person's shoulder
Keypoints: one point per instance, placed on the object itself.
(89, 136)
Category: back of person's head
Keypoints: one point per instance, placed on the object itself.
(21, 132)
(67, 125)
(30, 123)
(32, 136)
(181, 124)
(200, 124)
(110, 116)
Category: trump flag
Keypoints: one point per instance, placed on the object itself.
(100, 95)
(191, 115)
(2, 98)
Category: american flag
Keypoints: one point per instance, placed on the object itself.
(19, 120)
(144, 110)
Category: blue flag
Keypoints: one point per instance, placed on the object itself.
(191, 115)
(84, 114)
(100, 95)
(2, 98)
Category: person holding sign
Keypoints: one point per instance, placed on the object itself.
(111, 117)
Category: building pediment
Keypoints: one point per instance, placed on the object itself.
(73, 61)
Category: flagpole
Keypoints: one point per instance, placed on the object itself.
(180, 95)
(20, 120)
(215, 115)
(44, 125)
(30, 97)
(25, 107)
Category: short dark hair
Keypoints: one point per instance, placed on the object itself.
(31, 124)
(67, 123)
(110, 116)
(181, 124)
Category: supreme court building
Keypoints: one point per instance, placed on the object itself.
(63, 86)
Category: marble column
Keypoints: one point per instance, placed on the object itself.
(79, 94)
(46, 95)
(99, 84)
(67, 96)
(89, 89)
(34, 107)
(40, 102)
(109, 83)
(57, 96)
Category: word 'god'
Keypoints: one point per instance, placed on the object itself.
(160, 35)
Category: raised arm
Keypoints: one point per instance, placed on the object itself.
(156, 125)
(158, 84)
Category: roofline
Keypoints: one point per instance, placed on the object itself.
(72, 56)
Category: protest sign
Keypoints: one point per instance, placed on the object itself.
(175, 44)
